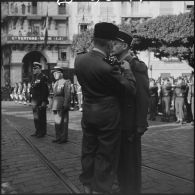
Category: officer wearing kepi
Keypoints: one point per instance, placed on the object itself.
(102, 87)
(40, 92)
(134, 118)
(60, 105)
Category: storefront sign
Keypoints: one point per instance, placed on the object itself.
(35, 38)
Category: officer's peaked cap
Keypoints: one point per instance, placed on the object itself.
(105, 30)
(124, 37)
(37, 65)
(57, 69)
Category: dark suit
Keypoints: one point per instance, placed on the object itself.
(60, 107)
(40, 92)
(153, 102)
(102, 87)
(134, 117)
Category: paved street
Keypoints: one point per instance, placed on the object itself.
(167, 153)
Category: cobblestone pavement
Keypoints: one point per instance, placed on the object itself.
(167, 153)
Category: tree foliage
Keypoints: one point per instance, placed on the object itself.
(166, 36)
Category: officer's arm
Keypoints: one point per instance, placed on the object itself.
(121, 84)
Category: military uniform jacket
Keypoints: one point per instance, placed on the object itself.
(99, 79)
(61, 95)
(136, 108)
(39, 90)
(179, 91)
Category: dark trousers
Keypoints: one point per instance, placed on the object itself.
(61, 119)
(129, 170)
(152, 107)
(166, 105)
(192, 108)
(100, 144)
(179, 108)
(39, 114)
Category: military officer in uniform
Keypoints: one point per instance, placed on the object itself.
(166, 99)
(178, 99)
(134, 118)
(153, 100)
(102, 87)
(39, 100)
(60, 105)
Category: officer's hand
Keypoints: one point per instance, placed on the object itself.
(189, 102)
(125, 65)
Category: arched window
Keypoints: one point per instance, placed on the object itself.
(16, 9)
(23, 8)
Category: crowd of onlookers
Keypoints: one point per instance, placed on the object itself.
(21, 93)
(172, 99)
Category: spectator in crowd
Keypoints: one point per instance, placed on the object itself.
(13, 94)
(19, 92)
(28, 94)
(159, 101)
(166, 98)
(153, 90)
(178, 100)
(73, 94)
(24, 93)
(190, 97)
(80, 97)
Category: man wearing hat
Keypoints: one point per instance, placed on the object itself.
(60, 105)
(179, 94)
(166, 90)
(40, 92)
(102, 87)
(134, 118)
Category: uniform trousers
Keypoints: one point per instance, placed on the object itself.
(166, 105)
(39, 114)
(179, 108)
(61, 119)
(152, 107)
(129, 171)
(100, 144)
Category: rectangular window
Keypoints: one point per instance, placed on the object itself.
(62, 8)
(63, 56)
(83, 27)
(34, 7)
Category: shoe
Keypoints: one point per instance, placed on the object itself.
(61, 141)
(55, 140)
(178, 121)
(192, 123)
(34, 135)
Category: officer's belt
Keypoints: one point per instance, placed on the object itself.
(100, 99)
(179, 95)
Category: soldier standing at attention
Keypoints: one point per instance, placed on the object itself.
(39, 100)
(178, 99)
(134, 118)
(60, 105)
(166, 99)
(102, 87)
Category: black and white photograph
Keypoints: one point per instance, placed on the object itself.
(97, 97)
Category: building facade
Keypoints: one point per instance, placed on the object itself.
(23, 27)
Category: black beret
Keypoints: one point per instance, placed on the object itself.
(105, 30)
(37, 65)
(57, 69)
(124, 37)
